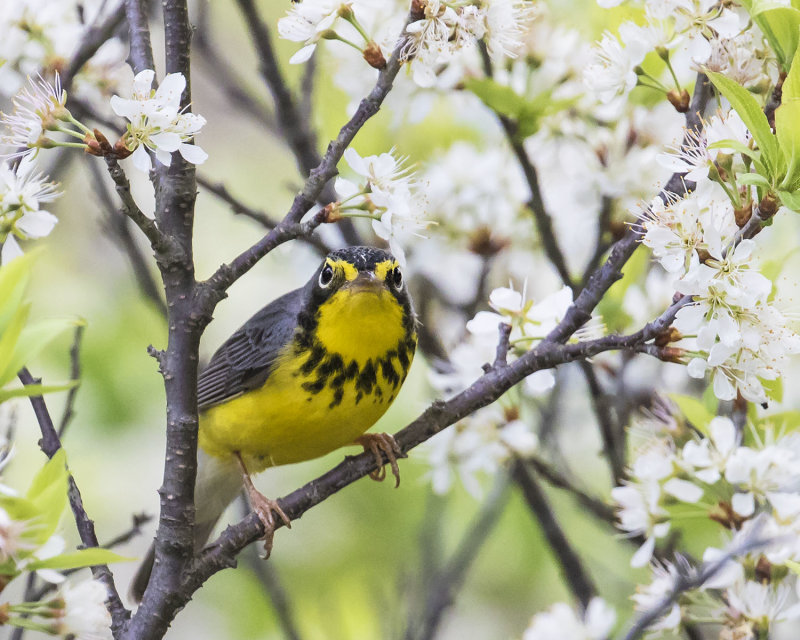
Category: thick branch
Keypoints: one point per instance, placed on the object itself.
(50, 444)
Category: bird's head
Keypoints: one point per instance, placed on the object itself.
(360, 291)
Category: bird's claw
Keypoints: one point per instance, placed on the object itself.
(380, 444)
(266, 509)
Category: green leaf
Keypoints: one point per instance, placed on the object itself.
(773, 389)
(8, 343)
(694, 411)
(752, 179)
(48, 492)
(36, 390)
(783, 421)
(77, 559)
(790, 199)
(14, 277)
(753, 117)
(32, 340)
(735, 145)
(787, 130)
(781, 27)
(503, 100)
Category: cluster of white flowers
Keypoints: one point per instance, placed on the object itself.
(439, 33)
(487, 439)
(22, 193)
(693, 33)
(157, 121)
(41, 36)
(444, 29)
(387, 193)
(561, 622)
(747, 483)
(733, 330)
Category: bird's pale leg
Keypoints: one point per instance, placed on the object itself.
(378, 444)
(263, 506)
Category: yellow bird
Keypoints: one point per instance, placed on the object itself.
(309, 373)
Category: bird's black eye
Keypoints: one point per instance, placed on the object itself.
(325, 276)
(397, 278)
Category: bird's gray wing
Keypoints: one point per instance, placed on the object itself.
(245, 360)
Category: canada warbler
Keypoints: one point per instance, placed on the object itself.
(309, 373)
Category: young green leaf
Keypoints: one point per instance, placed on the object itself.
(781, 27)
(48, 492)
(694, 410)
(753, 117)
(78, 559)
(36, 390)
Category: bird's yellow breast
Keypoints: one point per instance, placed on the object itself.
(322, 394)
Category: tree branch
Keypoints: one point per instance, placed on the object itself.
(576, 576)
(163, 245)
(240, 208)
(93, 38)
(596, 506)
(450, 578)
(227, 274)
(50, 444)
(74, 374)
(141, 56)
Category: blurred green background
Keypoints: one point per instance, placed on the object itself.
(355, 566)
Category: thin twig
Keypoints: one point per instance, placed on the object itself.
(163, 245)
(50, 444)
(75, 374)
(607, 422)
(93, 38)
(597, 507)
(268, 576)
(449, 579)
(118, 227)
(576, 576)
(227, 274)
(261, 217)
(689, 578)
(544, 223)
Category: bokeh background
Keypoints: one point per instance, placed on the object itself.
(361, 564)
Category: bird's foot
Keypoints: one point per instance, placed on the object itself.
(380, 444)
(266, 509)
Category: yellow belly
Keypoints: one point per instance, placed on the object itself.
(282, 422)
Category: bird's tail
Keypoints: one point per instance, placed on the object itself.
(219, 481)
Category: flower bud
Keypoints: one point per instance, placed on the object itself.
(374, 56)
(679, 99)
(768, 206)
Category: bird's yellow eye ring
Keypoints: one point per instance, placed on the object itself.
(397, 278)
(326, 276)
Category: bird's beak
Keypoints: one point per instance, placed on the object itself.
(365, 281)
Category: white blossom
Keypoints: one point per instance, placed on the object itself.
(561, 622)
(157, 121)
(305, 23)
(83, 613)
(22, 192)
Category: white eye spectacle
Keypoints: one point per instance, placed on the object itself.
(326, 276)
